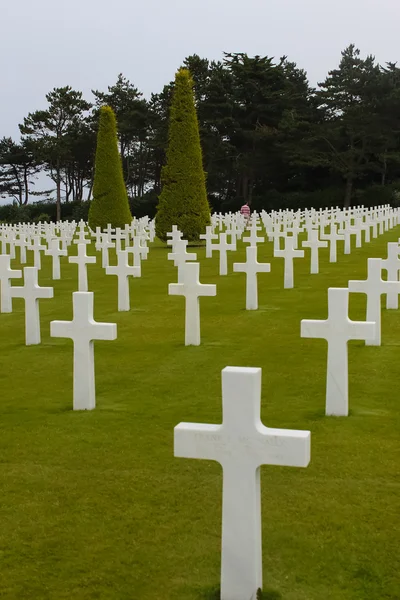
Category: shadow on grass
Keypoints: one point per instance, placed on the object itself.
(214, 593)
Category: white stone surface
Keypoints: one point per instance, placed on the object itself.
(104, 245)
(391, 264)
(251, 267)
(83, 329)
(82, 260)
(123, 271)
(7, 273)
(374, 287)
(191, 289)
(180, 256)
(223, 248)
(337, 330)
(289, 254)
(333, 236)
(241, 445)
(209, 236)
(37, 247)
(31, 292)
(314, 243)
(55, 252)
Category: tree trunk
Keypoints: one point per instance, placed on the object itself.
(348, 191)
(26, 186)
(58, 199)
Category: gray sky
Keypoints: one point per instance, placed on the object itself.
(86, 43)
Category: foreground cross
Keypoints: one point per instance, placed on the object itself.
(82, 260)
(192, 289)
(251, 267)
(31, 292)
(374, 287)
(241, 445)
(123, 271)
(7, 273)
(83, 329)
(337, 330)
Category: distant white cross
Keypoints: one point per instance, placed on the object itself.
(31, 292)
(374, 287)
(333, 236)
(139, 252)
(208, 236)
(123, 271)
(55, 253)
(337, 330)
(289, 254)
(391, 264)
(253, 238)
(191, 289)
(81, 239)
(7, 273)
(37, 247)
(180, 256)
(83, 329)
(223, 248)
(242, 444)
(314, 244)
(82, 260)
(104, 245)
(175, 235)
(251, 267)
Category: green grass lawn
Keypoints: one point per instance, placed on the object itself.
(93, 505)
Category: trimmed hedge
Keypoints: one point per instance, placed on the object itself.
(110, 200)
(183, 199)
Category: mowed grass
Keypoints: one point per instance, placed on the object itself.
(93, 505)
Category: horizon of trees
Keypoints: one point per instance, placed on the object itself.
(267, 136)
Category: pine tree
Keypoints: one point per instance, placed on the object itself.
(110, 200)
(183, 200)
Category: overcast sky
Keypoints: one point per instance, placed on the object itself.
(86, 43)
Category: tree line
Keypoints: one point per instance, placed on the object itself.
(267, 136)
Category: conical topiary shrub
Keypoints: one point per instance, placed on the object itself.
(110, 200)
(183, 199)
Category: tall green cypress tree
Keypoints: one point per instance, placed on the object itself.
(183, 200)
(110, 200)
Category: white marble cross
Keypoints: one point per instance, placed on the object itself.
(123, 271)
(139, 252)
(55, 253)
(209, 236)
(175, 236)
(31, 292)
(333, 236)
(82, 260)
(391, 264)
(104, 245)
(251, 267)
(37, 247)
(223, 248)
(289, 254)
(6, 273)
(374, 287)
(83, 329)
(337, 330)
(192, 289)
(314, 244)
(253, 238)
(180, 256)
(82, 237)
(242, 444)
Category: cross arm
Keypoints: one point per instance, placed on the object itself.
(314, 329)
(197, 440)
(284, 447)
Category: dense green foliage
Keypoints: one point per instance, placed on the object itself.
(110, 200)
(266, 134)
(183, 200)
(95, 505)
